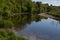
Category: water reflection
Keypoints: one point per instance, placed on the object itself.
(38, 28)
(26, 19)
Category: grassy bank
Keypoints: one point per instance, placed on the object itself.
(54, 13)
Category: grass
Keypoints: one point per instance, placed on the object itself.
(54, 13)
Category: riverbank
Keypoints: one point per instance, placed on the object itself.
(48, 16)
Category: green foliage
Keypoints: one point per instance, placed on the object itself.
(8, 35)
(54, 13)
(9, 7)
(3, 33)
(6, 23)
(20, 38)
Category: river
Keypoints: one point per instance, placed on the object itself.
(43, 29)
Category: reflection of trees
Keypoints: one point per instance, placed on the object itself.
(23, 19)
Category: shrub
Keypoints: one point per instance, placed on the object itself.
(6, 23)
(8, 35)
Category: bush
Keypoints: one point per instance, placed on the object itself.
(6, 23)
(20, 38)
(4, 35)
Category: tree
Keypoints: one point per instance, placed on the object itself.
(38, 6)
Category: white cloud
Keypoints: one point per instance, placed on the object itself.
(54, 2)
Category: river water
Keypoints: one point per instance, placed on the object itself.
(43, 29)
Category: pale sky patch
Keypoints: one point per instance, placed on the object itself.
(54, 2)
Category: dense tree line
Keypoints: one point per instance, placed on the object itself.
(8, 7)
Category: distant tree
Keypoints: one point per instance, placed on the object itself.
(38, 6)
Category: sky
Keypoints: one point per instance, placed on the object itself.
(53, 2)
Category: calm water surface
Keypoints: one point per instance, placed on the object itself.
(44, 29)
